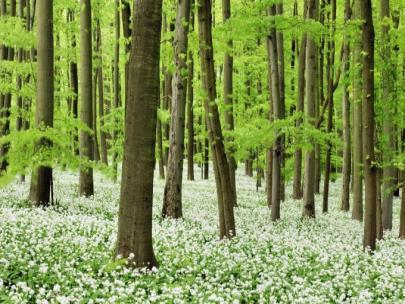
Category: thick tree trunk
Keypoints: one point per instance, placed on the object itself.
(310, 92)
(86, 185)
(357, 209)
(370, 170)
(135, 212)
(347, 162)
(221, 168)
(228, 100)
(172, 200)
(41, 179)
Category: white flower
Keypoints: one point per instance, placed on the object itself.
(56, 288)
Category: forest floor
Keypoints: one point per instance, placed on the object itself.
(63, 254)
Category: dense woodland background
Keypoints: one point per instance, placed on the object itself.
(300, 94)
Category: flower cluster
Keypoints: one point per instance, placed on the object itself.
(64, 254)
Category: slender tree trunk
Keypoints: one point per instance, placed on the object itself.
(347, 162)
(310, 92)
(330, 76)
(402, 212)
(126, 28)
(41, 179)
(277, 110)
(172, 200)
(100, 83)
(86, 184)
(280, 61)
(159, 145)
(357, 209)
(116, 83)
(221, 168)
(297, 183)
(228, 100)
(135, 212)
(206, 157)
(6, 106)
(370, 170)
(389, 148)
(94, 105)
(190, 112)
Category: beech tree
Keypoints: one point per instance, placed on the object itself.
(370, 170)
(135, 211)
(41, 179)
(220, 163)
(86, 186)
(310, 93)
(172, 201)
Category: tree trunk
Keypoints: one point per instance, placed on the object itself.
(135, 212)
(402, 212)
(389, 148)
(277, 112)
(172, 200)
(41, 179)
(357, 209)
(330, 76)
(280, 61)
(159, 145)
(310, 92)
(126, 28)
(297, 183)
(370, 170)
(116, 84)
(6, 105)
(221, 168)
(100, 83)
(190, 112)
(86, 184)
(347, 162)
(228, 101)
(96, 149)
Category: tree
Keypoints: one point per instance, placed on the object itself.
(297, 184)
(228, 100)
(357, 209)
(389, 148)
(86, 186)
(6, 102)
(172, 200)
(135, 211)
(370, 170)
(100, 83)
(190, 112)
(41, 179)
(116, 81)
(330, 77)
(220, 163)
(346, 172)
(310, 92)
(277, 112)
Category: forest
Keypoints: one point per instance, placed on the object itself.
(202, 151)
